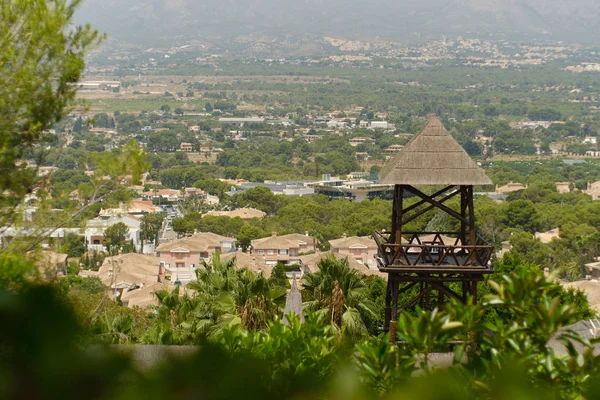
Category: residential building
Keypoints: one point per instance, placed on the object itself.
(337, 123)
(95, 228)
(181, 257)
(187, 147)
(379, 125)
(593, 190)
(393, 149)
(547, 237)
(192, 191)
(143, 296)
(212, 200)
(506, 247)
(510, 187)
(310, 263)
(285, 249)
(298, 191)
(99, 85)
(243, 213)
(246, 260)
(136, 207)
(535, 124)
(563, 187)
(360, 248)
(359, 140)
(593, 270)
(241, 121)
(9, 233)
(358, 175)
(590, 140)
(49, 262)
(167, 194)
(356, 191)
(127, 272)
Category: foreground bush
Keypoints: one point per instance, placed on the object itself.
(44, 353)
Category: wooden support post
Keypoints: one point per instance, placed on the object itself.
(394, 213)
(427, 297)
(471, 215)
(463, 212)
(399, 203)
(388, 305)
(394, 319)
(474, 291)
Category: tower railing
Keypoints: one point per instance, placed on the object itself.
(435, 255)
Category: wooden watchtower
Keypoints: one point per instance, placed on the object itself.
(437, 264)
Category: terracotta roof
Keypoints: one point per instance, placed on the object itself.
(433, 157)
(547, 237)
(47, 259)
(591, 289)
(310, 262)
(246, 260)
(276, 242)
(588, 329)
(510, 187)
(202, 241)
(144, 296)
(448, 241)
(131, 268)
(243, 213)
(358, 241)
(302, 238)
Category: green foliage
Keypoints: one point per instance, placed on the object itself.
(115, 236)
(517, 356)
(340, 293)
(278, 276)
(150, 227)
(42, 59)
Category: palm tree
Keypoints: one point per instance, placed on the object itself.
(174, 318)
(227, 296)
(341, 292)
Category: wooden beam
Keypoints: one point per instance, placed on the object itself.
(413, 300)
(423, 211)
(435, 203)
(421, 202)
(447, 291)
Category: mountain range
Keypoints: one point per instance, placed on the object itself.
(152, 22)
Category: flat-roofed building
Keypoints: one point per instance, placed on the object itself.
(242, 121)
(510, 187)
(187, 147)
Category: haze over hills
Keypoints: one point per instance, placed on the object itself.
(172, 22)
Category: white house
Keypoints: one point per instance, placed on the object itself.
(379, 125)
(95, 228)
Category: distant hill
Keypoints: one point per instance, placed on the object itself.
(166, 22)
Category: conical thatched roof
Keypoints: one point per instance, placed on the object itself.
(433, 157)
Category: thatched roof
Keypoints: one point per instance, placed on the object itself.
(433, 157)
